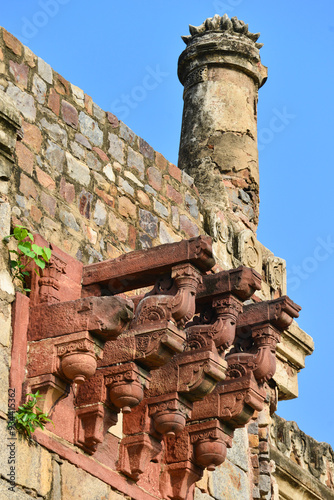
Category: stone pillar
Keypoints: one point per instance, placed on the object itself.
(221, 72)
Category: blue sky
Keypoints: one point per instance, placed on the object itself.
(109, 49)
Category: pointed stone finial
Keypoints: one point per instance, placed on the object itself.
(233, 26)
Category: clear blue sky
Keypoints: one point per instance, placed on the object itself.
(109, 47)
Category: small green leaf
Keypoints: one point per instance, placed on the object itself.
(47, 253)
(39, 262)
(38, 250)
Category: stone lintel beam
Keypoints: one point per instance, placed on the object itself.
(278, 312)
(241, 282)
(104, 317)
(142, 268)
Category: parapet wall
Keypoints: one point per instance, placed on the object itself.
(83, 179)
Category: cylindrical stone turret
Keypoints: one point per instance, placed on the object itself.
(221, 72)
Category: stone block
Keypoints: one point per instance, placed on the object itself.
(55, 132)
(44, 70)
(238, 454)
(188, 227)
(31, 136)
(160, 209)
(228, 482)
(76, 483)
(90, 129)
(39, 89)
(69, 114)
(77, 170)
(199, 495)
(135, 160)
(20, 73)
(18, 492)
(148, 222)
(24, 102)
(55, 156)
(100, 214)
(155, 178)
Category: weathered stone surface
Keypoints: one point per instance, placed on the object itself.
(69, 114)
(188, 227)
(76, 483)
(125, 186)
(25, 158)
(191, 204)
(99, 113)
(32, 136)
(160, 209)
(135, 160)
(33, 465)
(93, 162)
(54, 101)
(90, 128)
(238, 454)
(108, 171)
(55, 156)
(155, 178)
(199, 495)
(23, 101)
(127, 208)
(27, 186)
(148, 222)
(78, 95)
(127, 134)
(44, 70)
(116, 148)
(228, 482)
(83, 140)
(146, 149)
(20, 73)
(12, 43)
(4, 371)
(112, 119)
(77, 170)
(39, 89)
(69, 220)
(44, 179)
(18, 492)
(133, 178)
(55, 132)
(166, 235)
(100, 214)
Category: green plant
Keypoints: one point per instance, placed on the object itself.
(29, 416)
(27, 251)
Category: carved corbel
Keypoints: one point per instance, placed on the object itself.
(91, 425)
(178, 479)
(210, 440)
(76, 357)
(126, 385)
(49, 281)
(51, 387)
(217, 323)
(199, 372)
(136, 452)
(169, 413)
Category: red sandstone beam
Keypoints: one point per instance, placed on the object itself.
(242, 282)
(103, 316)
(278, 312)
(141, 268)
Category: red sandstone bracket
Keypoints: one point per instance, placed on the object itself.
(142, 268)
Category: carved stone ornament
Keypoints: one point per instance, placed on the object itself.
(78, 359)
(249, 250)
(276, 273)
(136, 452)
(221, 232)
(222, 24)
(198, 75)
(210, 440)
(91, 424)
(169, 413)
(126, 384)
(49, 281)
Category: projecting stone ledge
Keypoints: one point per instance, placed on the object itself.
(304, 467)
(291, 352)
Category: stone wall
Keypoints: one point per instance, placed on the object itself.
(83, 179)
(85, 182)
